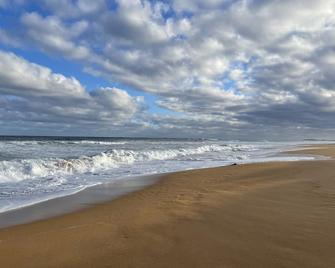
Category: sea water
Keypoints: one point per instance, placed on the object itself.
(35, 169)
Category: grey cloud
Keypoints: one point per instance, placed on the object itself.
(118, 101)
(53, 36)
(19, 77)
(233, 63)
(30, 92)
(74, 9)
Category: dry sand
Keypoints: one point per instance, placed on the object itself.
(257, 215)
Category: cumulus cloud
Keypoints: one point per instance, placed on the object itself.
(19, 77)
(117, 101)
(223, 64)
(52, 35)
(74, 9)
(33, 93)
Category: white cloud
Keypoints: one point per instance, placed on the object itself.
(234, 62)
(73, 9)
(52, 35)
(118, 101)
(136, 21)
(32, 92)
(20, 77)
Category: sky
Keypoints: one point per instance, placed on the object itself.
(229, 69)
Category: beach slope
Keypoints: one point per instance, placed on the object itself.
(256, 215)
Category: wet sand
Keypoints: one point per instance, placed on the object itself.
(77, 201)
(279, 214)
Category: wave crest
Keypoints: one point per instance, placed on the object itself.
(13, 171)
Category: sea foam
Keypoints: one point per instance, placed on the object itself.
(16, 170)
(33, 170)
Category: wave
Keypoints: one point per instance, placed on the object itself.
(80, 142)
(17, 170)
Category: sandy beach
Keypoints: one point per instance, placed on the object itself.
(279, 214)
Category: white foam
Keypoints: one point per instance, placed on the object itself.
(17, 170)
(32, 171)
(46, 142)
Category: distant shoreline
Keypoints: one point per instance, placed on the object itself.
(100, 138)
(153, 138)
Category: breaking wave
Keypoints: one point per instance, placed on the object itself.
(17, 170)
(69, 142)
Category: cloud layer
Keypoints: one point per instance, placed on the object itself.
(223, 68)
(33, 95)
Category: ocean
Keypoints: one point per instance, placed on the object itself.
(35, 169)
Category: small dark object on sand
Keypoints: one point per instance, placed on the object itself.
(234, 164)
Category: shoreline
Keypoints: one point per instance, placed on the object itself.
(77, 201)
(275, 214)
(109, 191)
